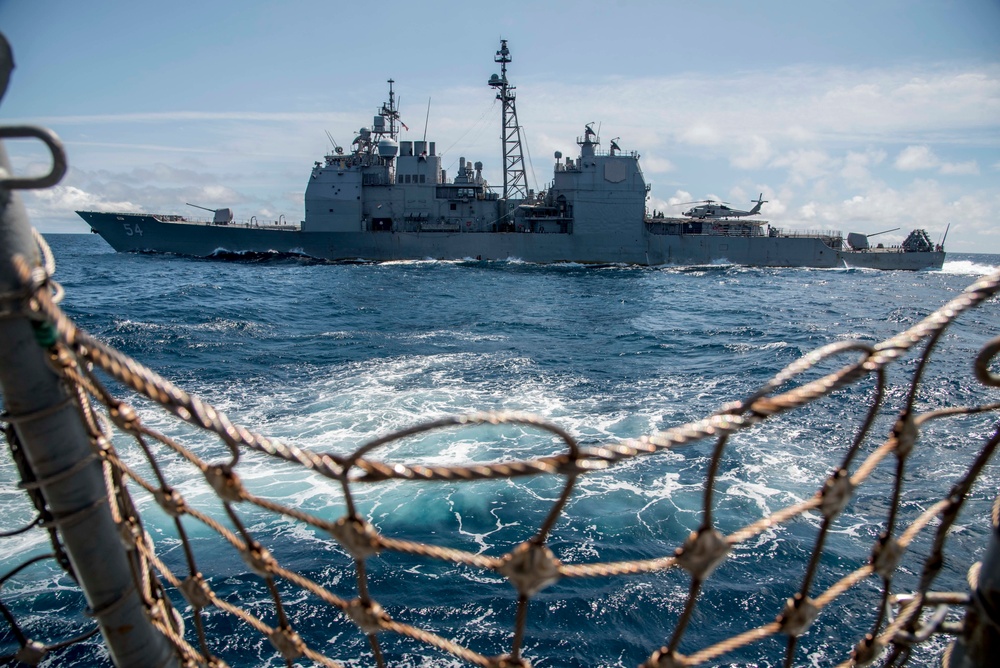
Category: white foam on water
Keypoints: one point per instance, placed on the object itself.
(967, 268)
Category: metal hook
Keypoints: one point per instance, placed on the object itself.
(55, 148)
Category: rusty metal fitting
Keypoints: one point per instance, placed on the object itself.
(905, 433)
(799, 614)
(129, 532)
(62, 357)
(837, 493)
(530, 568)
(196, 591)
(368, 615)
(157, 614)
(165, 616)
(357, 536)
(702, 552)
(225, 482)
(886, 556)
(124, 416)
(31, 653)
(102, 446)
(171, 501)
(664, 658)
(260, 560)
(866, 651)
(288, 642)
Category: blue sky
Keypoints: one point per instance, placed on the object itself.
(849, 115)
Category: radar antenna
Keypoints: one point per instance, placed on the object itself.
(390, 111)
(515, 183)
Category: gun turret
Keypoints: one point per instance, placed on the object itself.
(221, 217)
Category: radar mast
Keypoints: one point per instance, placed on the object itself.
(515, 183)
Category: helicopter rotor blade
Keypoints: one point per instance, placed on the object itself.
(698, 201)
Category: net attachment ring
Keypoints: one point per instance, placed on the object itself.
(530, 567)
(357, 536)
(664, 658)
(288, 642)
(368, 615)
(799, 614)
(702, 552)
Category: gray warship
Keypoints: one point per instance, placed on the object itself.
(391, 199)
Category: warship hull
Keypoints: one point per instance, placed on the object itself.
(129, 232)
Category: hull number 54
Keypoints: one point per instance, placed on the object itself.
(132, 229)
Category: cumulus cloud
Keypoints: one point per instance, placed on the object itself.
(913, 158)
(701, 134)
(916, 158)
(970, 168)
(63, 198)
(804, 165)
(754, 153)
(655, 164)
(856, 167)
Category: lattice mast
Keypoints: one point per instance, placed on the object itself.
(515, 183)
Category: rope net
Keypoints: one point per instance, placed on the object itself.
(138, 461)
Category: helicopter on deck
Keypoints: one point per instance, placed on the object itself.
(710, 208)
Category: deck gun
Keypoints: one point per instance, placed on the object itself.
(221, 216)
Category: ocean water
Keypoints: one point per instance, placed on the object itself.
(327, 356)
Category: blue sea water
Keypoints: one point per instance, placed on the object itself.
(327, 356)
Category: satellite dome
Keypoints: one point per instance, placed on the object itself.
(365, 132)
(388, 148)
(558, 155)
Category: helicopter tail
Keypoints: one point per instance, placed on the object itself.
(757, 202)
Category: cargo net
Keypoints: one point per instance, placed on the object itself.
(898, 622)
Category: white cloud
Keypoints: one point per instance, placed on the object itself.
(678, 197)
(754, 154)
(970, 168)
(857, 165)
(804, 165)
(654, 164)
(701, 135)
(62, 198)
(914, 158)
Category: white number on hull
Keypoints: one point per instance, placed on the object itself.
(131, 229)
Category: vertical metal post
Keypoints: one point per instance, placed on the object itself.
(979, 644)
(55, 441)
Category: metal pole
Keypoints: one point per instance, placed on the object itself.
(55, 441)
(979, 644)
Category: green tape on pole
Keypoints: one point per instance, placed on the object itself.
(45, 333)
